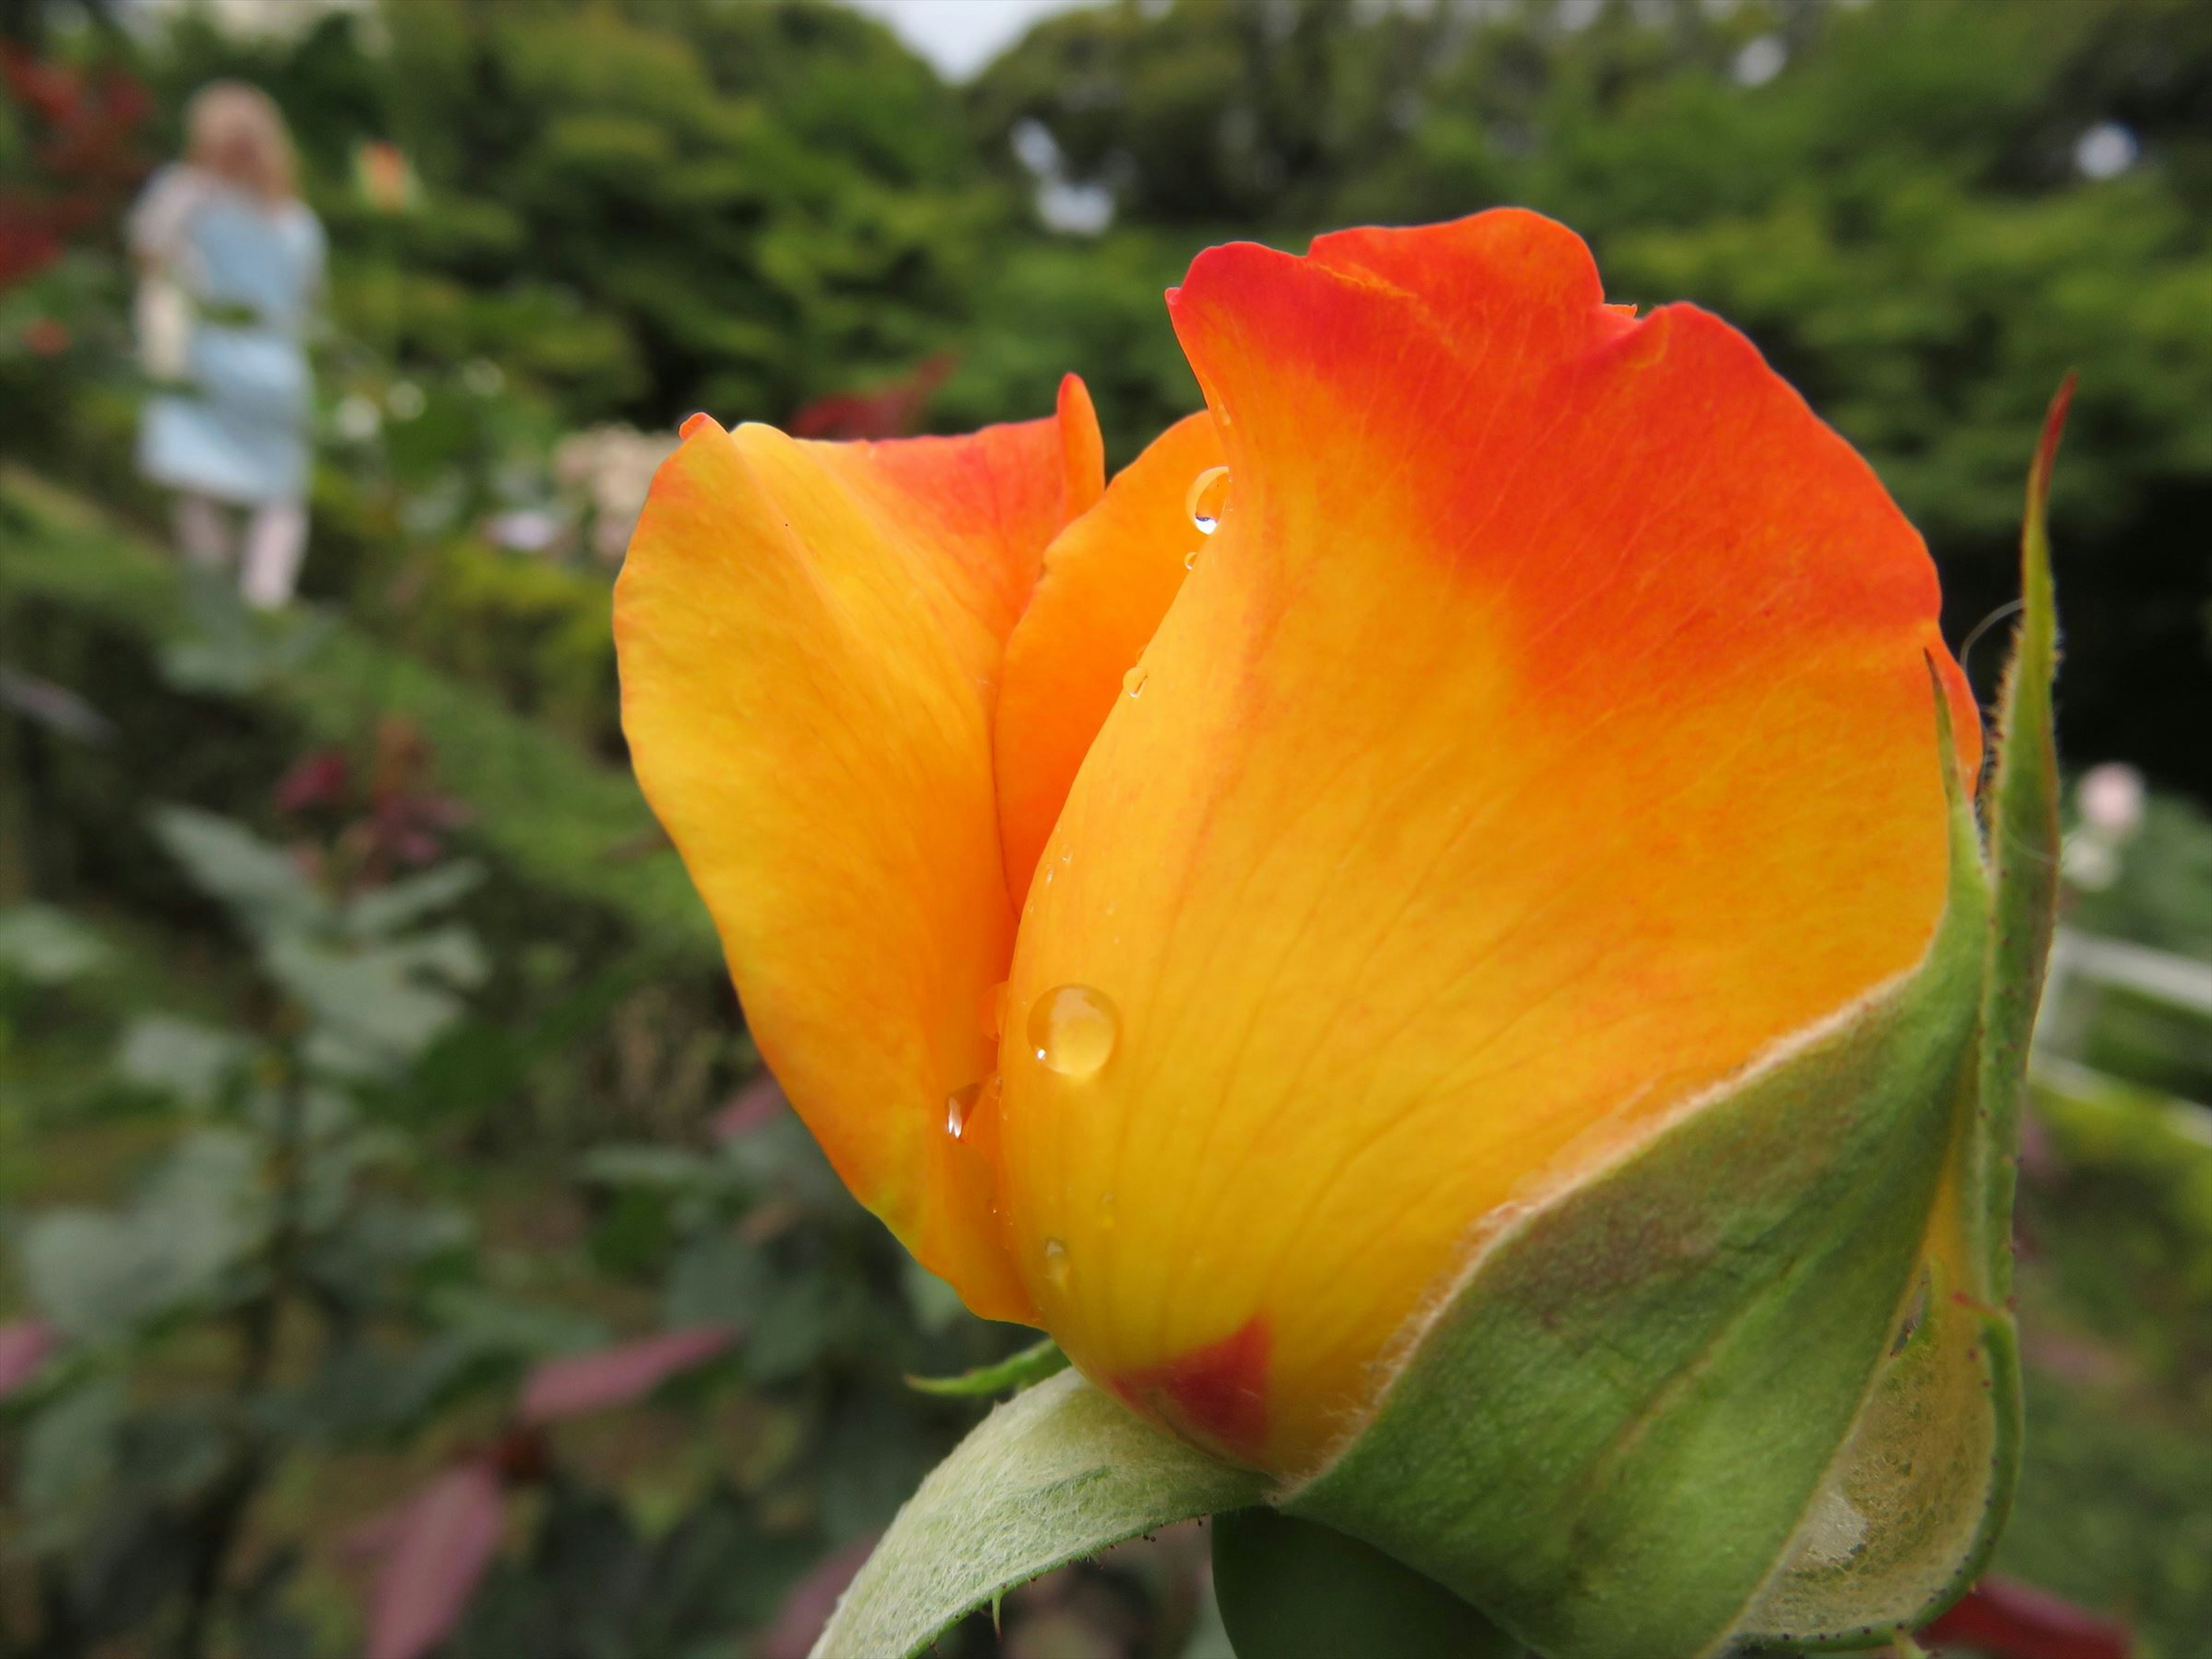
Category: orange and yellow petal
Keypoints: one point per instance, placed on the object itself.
(1108, 580)
(811, 636)
(1545, 736)
(1082, 450)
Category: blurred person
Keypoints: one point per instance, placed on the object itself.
(230, 264)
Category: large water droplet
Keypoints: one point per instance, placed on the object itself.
(1133, 680)
(1072, 1031)
(1208, 499)
(1055, 1264)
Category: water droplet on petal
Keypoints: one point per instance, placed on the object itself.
(1072, 1030)
(1208, 499)
(961, 1106)
(991, 1011)
(1190, 560)
(957, 1107)
(1134, 682)
(1055, 1264)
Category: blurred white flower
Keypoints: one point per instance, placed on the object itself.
(1760, 61)
(610, 468)
(525, 530)
(2106, 151)
(2110, 799)
(357, 419)
(483, 377)
(403, 400)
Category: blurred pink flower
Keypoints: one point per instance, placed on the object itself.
(24, 1348)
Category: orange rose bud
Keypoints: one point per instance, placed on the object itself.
(1433, 935)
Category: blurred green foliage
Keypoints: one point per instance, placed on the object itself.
(1923, 210)
(635, 208)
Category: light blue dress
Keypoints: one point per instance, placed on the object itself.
(239, 429)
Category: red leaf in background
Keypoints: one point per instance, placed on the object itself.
(2008, 1619)
(616, 1376)
(27, 246)
(798, 1621)
(24, 1346)
(891, 412)
(321, 777)
(436, 1547)
(753, 1107)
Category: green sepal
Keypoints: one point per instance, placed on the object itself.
(2022, 809)
(1921, 1411)
(1055, 1474)
(1755, 1389)
(1621, 1420)
(1013, 1374)
(1288, 1587)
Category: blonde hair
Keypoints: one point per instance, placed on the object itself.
(236, 130)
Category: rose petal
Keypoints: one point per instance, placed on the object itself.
(811, 637)
(1108, 578)
(1546, 734)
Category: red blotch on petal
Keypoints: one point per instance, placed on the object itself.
(1215, 1396)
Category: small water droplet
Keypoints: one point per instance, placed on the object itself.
(958, 1108)
(1208, 499)
(1190, 560)
(962, 1104)
(1056, 1263)
(991, 1011)
(1072, 1030)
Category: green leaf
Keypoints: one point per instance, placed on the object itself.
(1625, 1416)
(48, 946)
(69, 1457)
(97, 1273)
(491, 1323)
(383, 911)
(376, 1007)
(1055, 1474)
(1016, 1371)
(190, 1061)
(227, 861)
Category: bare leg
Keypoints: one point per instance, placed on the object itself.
(202, 530)
(276, 541)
